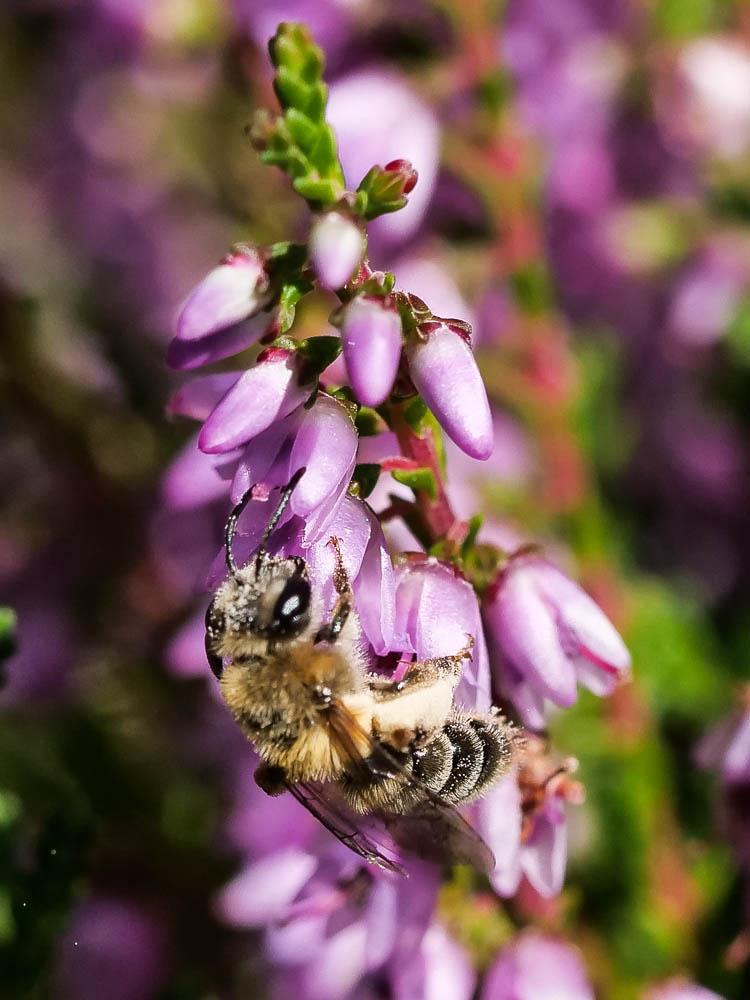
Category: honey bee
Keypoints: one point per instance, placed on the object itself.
(348, 744)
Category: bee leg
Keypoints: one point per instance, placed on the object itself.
(423, 672)
(271, 779)
(214, 629)
(343, 606)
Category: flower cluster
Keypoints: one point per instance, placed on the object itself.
(408, 376)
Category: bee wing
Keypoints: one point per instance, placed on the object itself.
(435, 830)
(318, 800)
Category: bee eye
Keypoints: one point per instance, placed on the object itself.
(291, 607)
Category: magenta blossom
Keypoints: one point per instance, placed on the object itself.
(336, 249)
(208, 327)
(546, 636)
(523, 819)
(726, 748)
(371, 340)
(436, 610)
(263, 394)
(536, 967)
(445, 373)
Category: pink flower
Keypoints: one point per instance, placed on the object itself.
(263, 394)
(445, 374)
(207, 327)
(547, 635)
(537, 967)
(336, 247)
(371, 339)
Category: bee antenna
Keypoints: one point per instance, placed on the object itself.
(231, 525)
(286, 495)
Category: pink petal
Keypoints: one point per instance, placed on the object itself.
(499, 822)
(264, 890)
(527, 634)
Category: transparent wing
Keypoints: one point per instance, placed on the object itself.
(435, 830)
(318, 800)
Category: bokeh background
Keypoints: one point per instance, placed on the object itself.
(584, 200)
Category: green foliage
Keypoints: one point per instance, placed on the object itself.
(300, 141)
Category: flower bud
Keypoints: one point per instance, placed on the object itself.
(445, 374)
(534, 966)
(726, 747)
(407, 175)
(547, 635)
(336, 248)
(231, 293)
(263, 394)
(371, 338)
(326, 445)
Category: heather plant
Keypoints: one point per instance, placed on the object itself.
(581, 204)
(409, 377)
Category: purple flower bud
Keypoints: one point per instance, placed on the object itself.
(326, 444)
(534, 967)
(336, 248)
(548, 633)
(263, 394)
(445, 373)
(726, 747)
(231, 293)
(371, 338)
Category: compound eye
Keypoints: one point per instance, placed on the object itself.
(291, 607)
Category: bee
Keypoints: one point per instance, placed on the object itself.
(348, 744)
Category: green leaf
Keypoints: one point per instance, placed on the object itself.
(291, 292)
(7, 632)
(320, 352)
(417, 479)
(366, 477)
(415, 413)
(304, 132)
(326, 192)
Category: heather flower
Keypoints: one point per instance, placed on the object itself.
(537, 967)
(267, 392)
(436, 609)
(524, 820)
(726, 748)
(371, 340)
(546, 636)
(336, 248)
(207, 327)
(445, 373)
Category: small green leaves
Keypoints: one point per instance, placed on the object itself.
(285, 263)
(417, 479)
(384, 189)
(300, 142)
(319, 353)
(7, 632)
(365, 478)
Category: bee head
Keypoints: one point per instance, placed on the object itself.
(271, 600)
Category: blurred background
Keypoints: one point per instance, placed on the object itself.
(584, 199)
